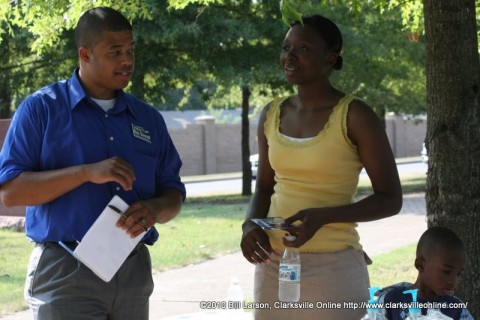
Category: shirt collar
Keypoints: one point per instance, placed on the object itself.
(77, 94)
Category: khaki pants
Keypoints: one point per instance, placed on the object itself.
(59, 287)
(333, 285)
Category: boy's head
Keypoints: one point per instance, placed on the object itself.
(440, 260)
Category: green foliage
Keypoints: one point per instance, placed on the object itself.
(22, 71)
(47, 20)
(411, 11)
(288, 13)
(182, 4)
(202, 55)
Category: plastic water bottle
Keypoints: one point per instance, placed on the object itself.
(435, 314)
(235, 295)
(289, 274)
(373, 312)
(413, 313)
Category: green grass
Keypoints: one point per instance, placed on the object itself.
(206, 228)
(394, 266)
(14, 253)
(202, 231)
(411, 183)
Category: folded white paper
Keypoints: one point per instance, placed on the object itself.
(105, 247)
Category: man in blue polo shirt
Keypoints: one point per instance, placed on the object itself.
(70, 148)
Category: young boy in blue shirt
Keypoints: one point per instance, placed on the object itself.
(440, 259)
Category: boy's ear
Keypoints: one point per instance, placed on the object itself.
(420, 264)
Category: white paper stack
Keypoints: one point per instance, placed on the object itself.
(105, 247)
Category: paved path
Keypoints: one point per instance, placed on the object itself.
(178, 292)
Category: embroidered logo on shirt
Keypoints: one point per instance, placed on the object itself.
(140, 133)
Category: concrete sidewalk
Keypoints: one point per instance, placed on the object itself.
(178, 292)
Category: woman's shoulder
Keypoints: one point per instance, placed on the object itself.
(357, 105)
(361, 115)
(273, 106)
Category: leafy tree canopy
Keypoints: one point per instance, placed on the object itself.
(200, 55)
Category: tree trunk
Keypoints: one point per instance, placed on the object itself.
(246, 166)
(382, 116)
(5, 98)
(453, 135)
(5, 83)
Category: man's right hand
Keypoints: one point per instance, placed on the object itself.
(112, 169)
(31, 188)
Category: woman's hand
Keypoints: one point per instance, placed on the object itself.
(255, 244)
(311, 221)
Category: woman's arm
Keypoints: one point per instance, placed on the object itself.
(255, 243)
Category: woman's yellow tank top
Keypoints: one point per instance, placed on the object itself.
(320, 172)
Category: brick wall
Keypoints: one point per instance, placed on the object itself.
(207, 147)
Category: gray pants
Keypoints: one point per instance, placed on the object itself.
(59, 287)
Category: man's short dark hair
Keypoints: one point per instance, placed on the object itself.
(93, 22)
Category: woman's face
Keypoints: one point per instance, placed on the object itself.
(305, 58)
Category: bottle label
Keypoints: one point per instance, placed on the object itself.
(289, 272)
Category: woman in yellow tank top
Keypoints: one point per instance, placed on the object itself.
(312, 147)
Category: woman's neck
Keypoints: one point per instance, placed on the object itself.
(314, 97)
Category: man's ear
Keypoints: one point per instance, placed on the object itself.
(84, 54)
(420, 264)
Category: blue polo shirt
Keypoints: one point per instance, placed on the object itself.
(60, 126)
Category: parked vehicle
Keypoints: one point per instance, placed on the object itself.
(424, 154)
(254, 162)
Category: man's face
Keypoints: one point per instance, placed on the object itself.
(441, 272)
(109, 65)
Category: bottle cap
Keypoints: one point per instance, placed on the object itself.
(290, 238)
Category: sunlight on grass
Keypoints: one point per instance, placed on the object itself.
(411, 183)
(394, 266)
(198, 233)
(14, 254)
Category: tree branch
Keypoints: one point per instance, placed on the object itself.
(23, 65)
